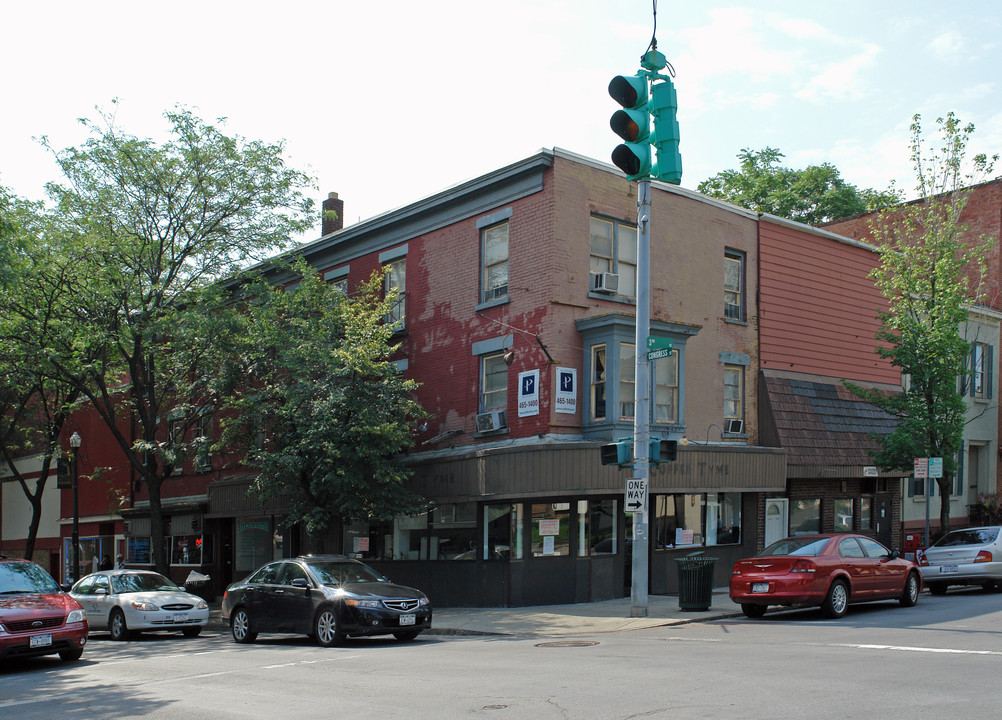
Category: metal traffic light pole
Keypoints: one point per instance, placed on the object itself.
(641, 411)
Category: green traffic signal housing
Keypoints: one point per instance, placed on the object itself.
(664, 108)
(621, 452)
(632, 124)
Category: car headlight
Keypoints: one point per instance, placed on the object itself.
(423, 601)
(144, 606)
(76, 616)
(364, 603)
(202, 605)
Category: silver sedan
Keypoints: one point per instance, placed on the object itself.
(971, 556)
(128, 601)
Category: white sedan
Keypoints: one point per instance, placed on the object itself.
(970, 556)
(128, 601)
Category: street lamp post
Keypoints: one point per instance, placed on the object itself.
(75, 441)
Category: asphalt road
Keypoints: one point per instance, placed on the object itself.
(939, 659)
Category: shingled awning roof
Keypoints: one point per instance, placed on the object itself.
(821, 425)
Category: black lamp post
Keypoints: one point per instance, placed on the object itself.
(75, 441)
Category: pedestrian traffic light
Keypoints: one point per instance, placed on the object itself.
(632, 124)
(617, 453)
(663, 451)
(664, 109)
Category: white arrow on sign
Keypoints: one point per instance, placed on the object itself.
(636, 495)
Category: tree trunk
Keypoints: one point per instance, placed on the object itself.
(945, 484)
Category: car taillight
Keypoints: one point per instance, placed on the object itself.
(983, 556)
(736, 570)
(920, 558)
(803, 566)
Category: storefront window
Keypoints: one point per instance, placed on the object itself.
(258, 540)
(499, 529)
(678, 520)
(723, 518)
(453, 532)
(551, 526)
(805, 516)
(186, 550)
(596, 527)
(371, 540)
(410, 539)
(843, 515)
(138, 551)
(866, 513)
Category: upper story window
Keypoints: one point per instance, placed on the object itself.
(493, 383)
(598, 364)
(494, 251)
(613, 253)
(395, 279)
(734, 284)
(734, 392)
(338, 278)
(627, 380)
(981, 370)
(666, 389)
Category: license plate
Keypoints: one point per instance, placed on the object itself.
(408, 619)
(180, 617)
(947, 569)
(760, 587)
(40, 641)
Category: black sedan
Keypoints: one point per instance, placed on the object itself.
(327, 597)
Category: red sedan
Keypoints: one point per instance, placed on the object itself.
(832, 571)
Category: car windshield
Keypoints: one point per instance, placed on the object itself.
(21, 578)
(141, 582)
(338, 572)
(975, 536)
(795, 546)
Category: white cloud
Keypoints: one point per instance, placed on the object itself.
(841, 80)
(948, 46)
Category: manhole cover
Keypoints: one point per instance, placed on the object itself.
(568, 643)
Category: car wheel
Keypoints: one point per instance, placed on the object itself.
(753, 611)
(911, 592)
(406, 635)
(71, 655)
(327, 628)
(191, 632)
(240, 626)
(117, 627)
(938, 588)
(837, 600)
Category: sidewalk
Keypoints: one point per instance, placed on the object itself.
(557, 620)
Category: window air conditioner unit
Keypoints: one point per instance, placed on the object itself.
(492, 420)
(734, 427)
(604, 282)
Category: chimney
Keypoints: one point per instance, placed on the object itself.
(332, 217)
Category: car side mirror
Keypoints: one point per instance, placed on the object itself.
(300, 583)
(895, 555)
(101, 591)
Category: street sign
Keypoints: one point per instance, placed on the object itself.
(657, 343)
(936, 467)
(636, 495)
(659, 354)
(921, 468)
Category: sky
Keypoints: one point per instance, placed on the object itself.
(389, 102)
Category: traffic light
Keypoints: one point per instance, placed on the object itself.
(632, 124)
(664, 108)
(663, 451)
(617, 453)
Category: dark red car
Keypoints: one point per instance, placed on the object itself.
(833, 571)
(36, 617)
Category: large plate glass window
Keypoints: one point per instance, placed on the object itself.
(551, 528)
(805, 516)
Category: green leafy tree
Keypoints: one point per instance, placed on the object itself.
(316, 405)
(814, 195)
(929, 274)
(147, 232)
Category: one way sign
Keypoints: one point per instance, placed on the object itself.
(636, 495)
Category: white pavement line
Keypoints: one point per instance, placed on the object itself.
(905, 648)
(32, 700)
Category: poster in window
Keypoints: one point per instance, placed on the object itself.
(528, 393)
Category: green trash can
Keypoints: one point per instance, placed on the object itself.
(695, 582)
